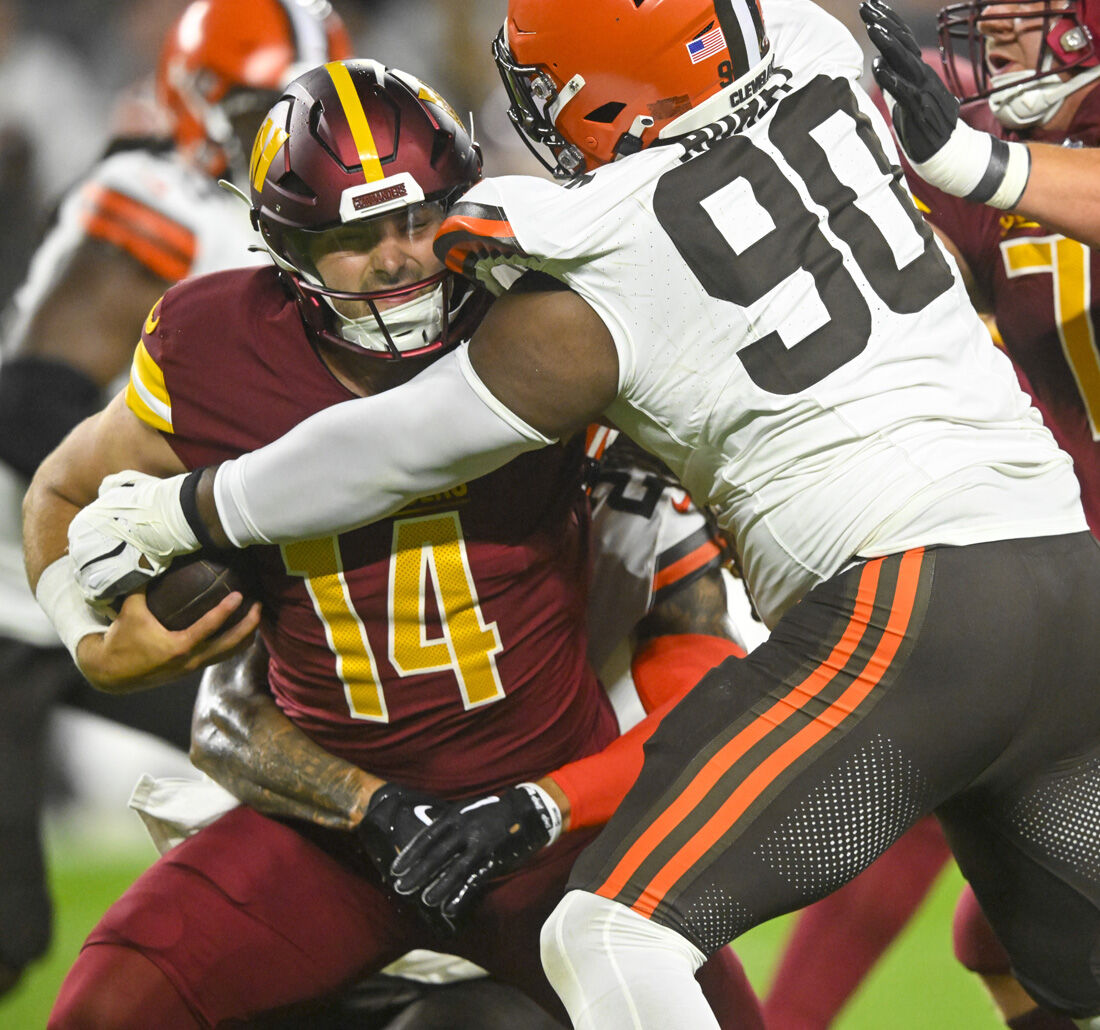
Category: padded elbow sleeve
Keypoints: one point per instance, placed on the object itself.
(40, 401)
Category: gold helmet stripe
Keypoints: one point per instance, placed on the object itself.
(357, 120)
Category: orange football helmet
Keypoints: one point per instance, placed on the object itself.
(593, 80)
(224, 62)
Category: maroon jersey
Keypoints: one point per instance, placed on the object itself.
(443, 647)
(1044, 292)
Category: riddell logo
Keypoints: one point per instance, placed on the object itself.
(394, 192)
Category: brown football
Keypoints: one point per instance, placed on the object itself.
(190, 588)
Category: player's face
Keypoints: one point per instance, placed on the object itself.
(383, 253)
(1013, 34)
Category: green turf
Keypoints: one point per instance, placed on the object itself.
(85, 878)
(918, 986)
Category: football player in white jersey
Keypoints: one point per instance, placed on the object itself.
(748, 292)
(149, 213)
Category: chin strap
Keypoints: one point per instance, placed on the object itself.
(1037, 102)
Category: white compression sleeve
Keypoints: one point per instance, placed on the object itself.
(359, 461)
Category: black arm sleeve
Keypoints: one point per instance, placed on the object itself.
(40, 401)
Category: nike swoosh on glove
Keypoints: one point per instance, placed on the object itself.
(451, 862)
(394, 817)
(129, 534)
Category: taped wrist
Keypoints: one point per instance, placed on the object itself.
(40, 401)
(978, 167)
(59, 595)
(546, 808)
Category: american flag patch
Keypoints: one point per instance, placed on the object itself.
(710, 42)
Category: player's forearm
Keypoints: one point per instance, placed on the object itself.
(242, 740)
(1048, 198)
(357, 462)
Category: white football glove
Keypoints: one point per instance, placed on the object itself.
(129, 534)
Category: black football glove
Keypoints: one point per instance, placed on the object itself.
(451, 862)
(925, 112)
(944, 150)
(394, 817)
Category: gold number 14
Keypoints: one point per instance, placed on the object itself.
(427, 553)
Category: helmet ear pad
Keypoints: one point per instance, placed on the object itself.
(347, 142)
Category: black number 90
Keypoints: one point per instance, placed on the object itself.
(725, 73)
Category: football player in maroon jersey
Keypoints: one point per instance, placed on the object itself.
(1036, 71)
(440, 653)
(1035, 64)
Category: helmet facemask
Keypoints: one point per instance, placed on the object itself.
(533, 105)
(401, 311)
(1026, 97)
(351, 176)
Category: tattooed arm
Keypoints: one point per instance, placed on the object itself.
(241, 739)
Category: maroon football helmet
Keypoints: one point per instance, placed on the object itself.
(353, 151)
(1069, 33)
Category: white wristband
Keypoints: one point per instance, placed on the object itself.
(978, 167)
(551, 814)
(60, 597)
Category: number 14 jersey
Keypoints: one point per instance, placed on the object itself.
(792, 340)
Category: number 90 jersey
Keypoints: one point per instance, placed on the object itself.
(792, 340)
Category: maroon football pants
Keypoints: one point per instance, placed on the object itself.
(248, 916)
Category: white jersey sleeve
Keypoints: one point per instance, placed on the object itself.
(793, 342)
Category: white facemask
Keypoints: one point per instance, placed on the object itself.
(1035, 103)
(411, 325)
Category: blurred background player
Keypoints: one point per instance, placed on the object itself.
(148, 214)
(342, 646)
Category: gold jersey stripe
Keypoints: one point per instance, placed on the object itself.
(146, 395)
(357, 120)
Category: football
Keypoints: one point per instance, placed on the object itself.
(190, 587)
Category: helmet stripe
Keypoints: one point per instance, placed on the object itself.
(357, 121)
(742, 29)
